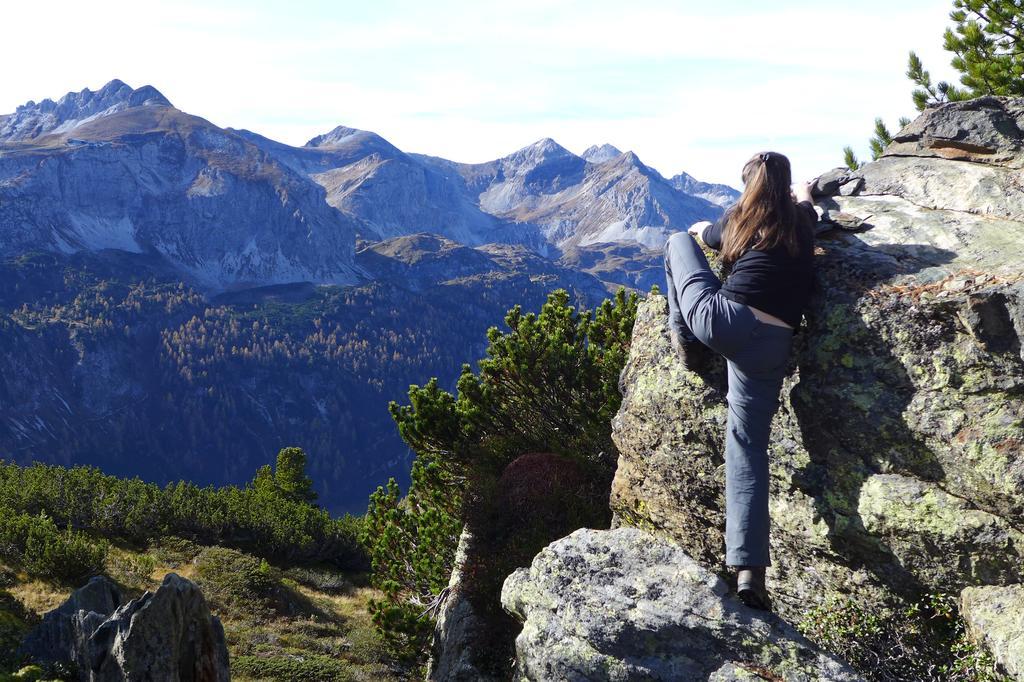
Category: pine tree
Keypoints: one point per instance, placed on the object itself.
(883, 138)
(290, 476)
(987, 43)
(549, 384)
(850, 158)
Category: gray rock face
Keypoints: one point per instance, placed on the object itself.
(897, 460)
(624, 605)
(995, 617)
(961, 156)
(63, 634)
(830, 182)
(985, 130)
(456, 624)
(164, 635)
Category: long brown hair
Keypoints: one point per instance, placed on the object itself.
(765, 215)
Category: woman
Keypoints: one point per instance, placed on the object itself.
(767, 239)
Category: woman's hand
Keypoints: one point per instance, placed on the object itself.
(697, 229)
(802, 192)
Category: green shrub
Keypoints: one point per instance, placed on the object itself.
(275, 521)
(539, 498)
(922, 640)
(44, 551)
(136, 569)
(238, 583)
(13, 625)
(174, 551)
(549, 384)
(320, 579)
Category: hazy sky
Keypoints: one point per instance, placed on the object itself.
(695, 86)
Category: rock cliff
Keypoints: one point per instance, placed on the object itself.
(897, 456)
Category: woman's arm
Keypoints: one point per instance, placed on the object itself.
(804, 201)
(802, 192)
(710, 234)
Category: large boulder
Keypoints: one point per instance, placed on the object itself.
(624, 605)
(897, 456)
(164, 635)
(63, 634)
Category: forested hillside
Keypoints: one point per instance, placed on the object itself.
(111, 361)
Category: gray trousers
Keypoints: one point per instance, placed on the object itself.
(757, 355)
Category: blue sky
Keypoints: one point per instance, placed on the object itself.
(694, 86)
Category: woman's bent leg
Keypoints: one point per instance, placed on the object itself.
(689, 279)
(755, 378)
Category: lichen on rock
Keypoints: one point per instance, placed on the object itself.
(897, 455)
(995, 617)
(624, 605)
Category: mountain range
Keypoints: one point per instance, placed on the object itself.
(122, 168)
(139, 244)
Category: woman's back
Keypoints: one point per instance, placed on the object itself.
(772, 280)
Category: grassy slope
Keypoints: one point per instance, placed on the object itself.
(326, 633)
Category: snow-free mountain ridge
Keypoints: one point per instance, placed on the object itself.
(121, 168)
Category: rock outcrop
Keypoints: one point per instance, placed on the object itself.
(168, 634)
(457, 622)
(897, 455)
(63, 634)
(995, 617)
(621, 605)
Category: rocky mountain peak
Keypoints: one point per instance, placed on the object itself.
(539, 152)
(600, 154)
(719, 194)
(33, 119)
(629, 159)
(338, 136)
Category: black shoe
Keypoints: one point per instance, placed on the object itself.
(750, 587)
(692, 352)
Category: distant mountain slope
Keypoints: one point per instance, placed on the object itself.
(576, 201)
(718, 194)
(179, 300)
(618, 264)
(122, 168)
(143, 177)
(389, 193)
